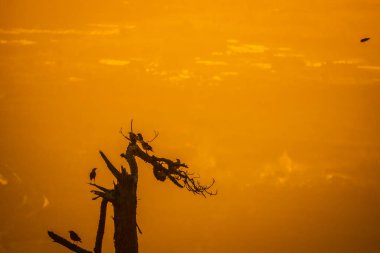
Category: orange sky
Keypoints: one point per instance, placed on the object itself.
(277, 100)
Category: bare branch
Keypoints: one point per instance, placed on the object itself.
(100, 187)
(156, 133)
(71, 246)
(121, 132)
(174, 170)
(110, 166)
(105, 195)
(101, 226)
(175, 181)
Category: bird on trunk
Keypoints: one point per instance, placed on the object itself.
(93, 174)
(74, 236)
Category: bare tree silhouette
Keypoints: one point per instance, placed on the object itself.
(123, 195)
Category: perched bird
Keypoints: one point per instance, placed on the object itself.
(364, 40)
(74, 236)
(146, 146)
(139, 137)
(93, 174)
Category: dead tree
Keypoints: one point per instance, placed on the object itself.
(123, 195)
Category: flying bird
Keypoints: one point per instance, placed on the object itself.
(365, 39)
(93, 174)
(74, 236)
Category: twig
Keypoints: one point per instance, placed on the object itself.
(138, 228)
(155, 136)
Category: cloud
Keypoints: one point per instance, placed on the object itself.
(46, 202)
(232, 41)
(24, 200)
(22, 42)
(3, 180)
(21, 31)
(211, 63)
(204, 157)
(74, 79)
(182, 75)
(284, 49)
(49, 62)
(247, 49)
(314, 64)
(332, 176)
(283, 171)
(339, 178)
(104, 25)
(262, 65)
(113, 62)
(229, 73)
(114, 26)
(346, 61)
(369, 67)
(152, 68)
(281, 180)
(217, 53)
(217, 78)
(18, 178)
(280, 168)
(103, 32)
(283, 55)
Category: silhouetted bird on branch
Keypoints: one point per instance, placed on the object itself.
(139, 137)
(146, 146)
(93, 174)
(74, 236)
(365, 39)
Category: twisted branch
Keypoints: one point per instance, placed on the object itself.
(165, 168)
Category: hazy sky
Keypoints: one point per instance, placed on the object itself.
(277, 100)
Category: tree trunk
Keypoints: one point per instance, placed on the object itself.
(125, 237)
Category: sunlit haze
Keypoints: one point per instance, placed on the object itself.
(277, 100)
